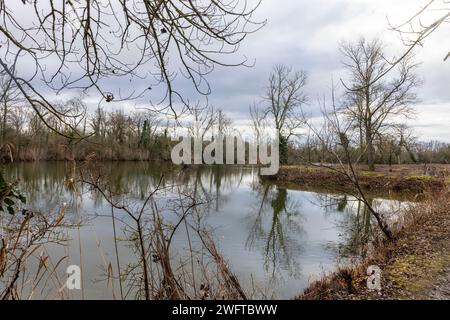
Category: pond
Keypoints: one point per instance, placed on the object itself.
(274, 238)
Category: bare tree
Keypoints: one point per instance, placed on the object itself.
(344, 155)
(86, 44)
(203, 120)
(373, 100)
(259, 124)
(418, 28)
(18, 118)
(284, 98)
(118, 125)
(415, 31)
(327, 140)
(98, 123)
(9, 99)
(75, 110)
(223, 123)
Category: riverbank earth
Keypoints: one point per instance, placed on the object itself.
(416, 263)
(398, 178)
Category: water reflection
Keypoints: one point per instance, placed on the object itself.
(273, 238)
(275, 228)
(358, 227)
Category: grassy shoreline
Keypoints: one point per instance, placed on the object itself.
(384, 179)
(415, 263)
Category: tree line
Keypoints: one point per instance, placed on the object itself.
(372, 105)
(108, 134)
(365, 113)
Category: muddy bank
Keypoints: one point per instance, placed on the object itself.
(369, 181)
(414, 265)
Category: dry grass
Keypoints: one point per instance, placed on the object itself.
(24, 238)
(369, 181)
(411, 264)
(160, 272)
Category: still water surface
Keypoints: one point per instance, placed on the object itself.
(275, 239)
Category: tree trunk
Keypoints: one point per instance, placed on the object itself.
(5, 114)
(361, 139)
(370, 151)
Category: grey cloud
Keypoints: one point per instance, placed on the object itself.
(305, 35)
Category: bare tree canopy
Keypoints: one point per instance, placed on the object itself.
(88, 44)
(258, 121)
(284, 97)
(373, 99)
(9, 99)
(416, 29)
(203, 120)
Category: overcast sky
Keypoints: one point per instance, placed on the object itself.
(305, 35)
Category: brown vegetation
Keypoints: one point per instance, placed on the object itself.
(412, 263)
(23, 241)
(398, 180)
(159, 273)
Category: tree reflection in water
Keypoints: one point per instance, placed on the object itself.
(275, 227)
(182, 201)
(358, 227)
(281, 238)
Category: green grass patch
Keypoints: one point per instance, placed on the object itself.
(412, 273)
